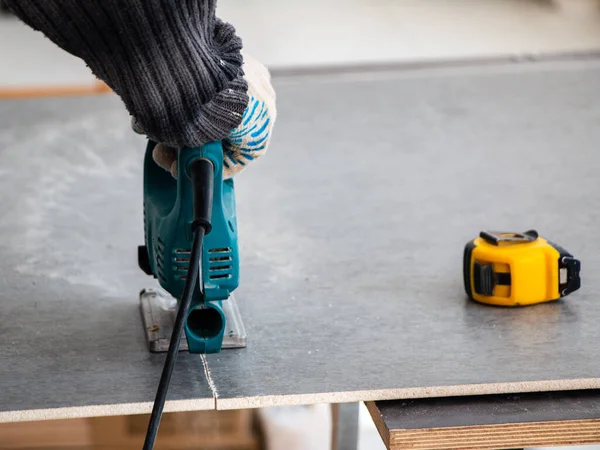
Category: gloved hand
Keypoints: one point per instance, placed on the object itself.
(247, 142)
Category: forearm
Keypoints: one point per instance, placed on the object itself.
(176, 66)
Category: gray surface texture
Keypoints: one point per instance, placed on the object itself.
(353, 228)
(71, 219)
(351, 235)
(490, 410)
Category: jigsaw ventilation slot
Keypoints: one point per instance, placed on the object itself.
(181, 262)
(145, 224)
(219, 263)
(159, 249)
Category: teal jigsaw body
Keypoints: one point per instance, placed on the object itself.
(168, 217)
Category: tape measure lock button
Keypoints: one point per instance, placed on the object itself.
(485, 279)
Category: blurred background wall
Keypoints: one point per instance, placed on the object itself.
(316, 33)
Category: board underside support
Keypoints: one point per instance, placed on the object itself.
(159, 309)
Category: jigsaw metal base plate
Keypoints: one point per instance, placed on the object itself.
(158, 314)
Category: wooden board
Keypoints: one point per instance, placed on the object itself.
(351, 232)
(95, 88)
(490, 422)
(208, 430)
(71, 337)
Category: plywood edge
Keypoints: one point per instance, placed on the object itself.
(509, 435)
(407, 393)
(124, 409)
(380, 424)
(53, 91)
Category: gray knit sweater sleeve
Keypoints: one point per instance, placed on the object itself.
(175, 65)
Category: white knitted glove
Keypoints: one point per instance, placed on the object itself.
(250, 140)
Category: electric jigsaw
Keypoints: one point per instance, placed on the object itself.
(191, 248)
(171, 211)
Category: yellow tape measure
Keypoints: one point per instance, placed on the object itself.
(518, 269)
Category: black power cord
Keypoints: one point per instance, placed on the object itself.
(201, 173)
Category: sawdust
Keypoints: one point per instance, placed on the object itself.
(69, 220)
(209, 379)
